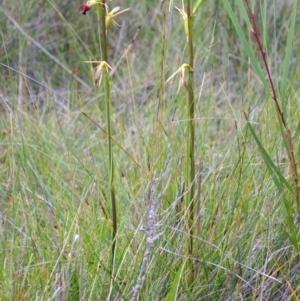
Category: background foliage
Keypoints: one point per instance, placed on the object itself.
(55, 218)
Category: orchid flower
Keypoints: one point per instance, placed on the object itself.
(180, 71)
(87, 6)
(185, 19)
(113, 13)
(99, 70)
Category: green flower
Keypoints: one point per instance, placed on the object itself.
(113, 13)
(180, 71)
(99, 70)
(185, 20)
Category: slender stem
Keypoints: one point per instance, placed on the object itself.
(162, 74)
(103, 31)
(111, 188)
(191, 138)
(160, 107)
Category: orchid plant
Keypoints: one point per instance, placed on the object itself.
(102, 73)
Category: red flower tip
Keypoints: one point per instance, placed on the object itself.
(84, 8)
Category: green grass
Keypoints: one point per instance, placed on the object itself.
(55, 210)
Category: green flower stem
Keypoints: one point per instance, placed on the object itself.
(111, 188)
(191, 141)
(160, 107)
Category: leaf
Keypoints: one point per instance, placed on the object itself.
(274, 171)
(172, 294)
(244, 41)
(289, 47)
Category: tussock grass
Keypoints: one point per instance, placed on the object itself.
(55, 210)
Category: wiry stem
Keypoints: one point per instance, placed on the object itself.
(111, 188)
(287, 132)
(162, 71)
(191, 138)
